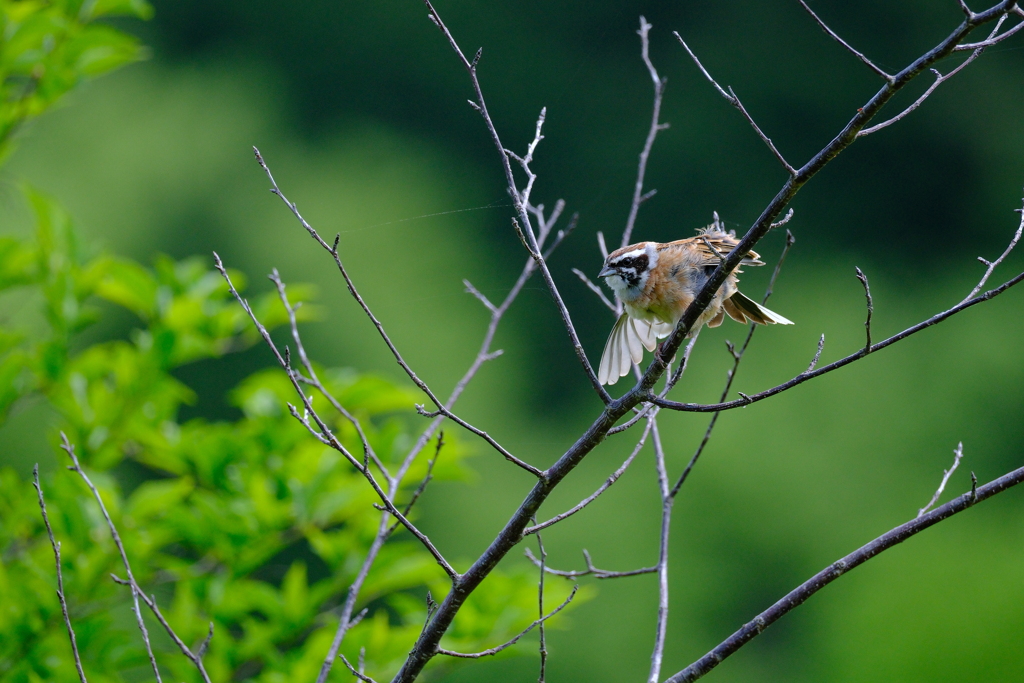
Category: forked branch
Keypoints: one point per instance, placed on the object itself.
(495, 650)
(946, 474)
(811, 372)
(591, 570)
(137, 592)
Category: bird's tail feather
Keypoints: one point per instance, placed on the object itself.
(742, 309)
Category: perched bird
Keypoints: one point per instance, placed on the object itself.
(656, 282)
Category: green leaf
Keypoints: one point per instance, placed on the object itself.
(135, 8)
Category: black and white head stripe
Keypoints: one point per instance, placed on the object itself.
(634, 264)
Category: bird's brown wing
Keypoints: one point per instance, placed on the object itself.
(722, 242)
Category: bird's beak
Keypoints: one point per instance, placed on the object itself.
(606, 271)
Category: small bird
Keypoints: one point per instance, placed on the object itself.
(656, 282)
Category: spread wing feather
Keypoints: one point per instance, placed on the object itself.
(626, 344)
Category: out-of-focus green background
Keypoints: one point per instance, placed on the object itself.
(360, 110)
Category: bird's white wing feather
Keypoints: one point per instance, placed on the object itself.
(626, 345)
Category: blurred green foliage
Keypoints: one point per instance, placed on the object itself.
(251, 525)
(48, 47)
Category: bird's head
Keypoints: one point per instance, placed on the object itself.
(626, 270)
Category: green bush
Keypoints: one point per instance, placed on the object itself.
(252, 525)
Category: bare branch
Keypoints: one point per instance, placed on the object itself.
(993, 39)
(811, 374)
(60, 577)
(520, 201)
(946, 474)
(992, 265)
(328, 436)
(826, 576)
(510, 643)
(423, 484)
(858, 55)
(356, 672)
(662, 566)
(333, 250)
(601, 489)
(731, 97)
(476, 292)
(483, 435)
(442, 409)
(315, 382)
(871, 309)
(764, 138)
(939, 80)
(614, 410)
(591, 570)
(639, 197)
(136, 591)
(817, 355)
(543, 646)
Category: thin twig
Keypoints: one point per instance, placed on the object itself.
(779, 223)
(817, 355)
(591, 570)
(600, 489)
(991, 40)
(520, 202)
(136, 591)
(663, 540)
(562, 235)
(543, 646)
(639, 197)
(811, 374)
(871, 308)
(992, 265)
(731, 97)
(798, 595)
(476, 292)
(495, 650)
(356, 672)
(60, 577)
(939, 80)
(315, 382)
(423, 483)
(325, 431)
(946, 474)
(737, 356)
(858, 55)
(333, 250)
(596, 290)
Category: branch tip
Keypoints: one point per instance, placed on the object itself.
(871, 308)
